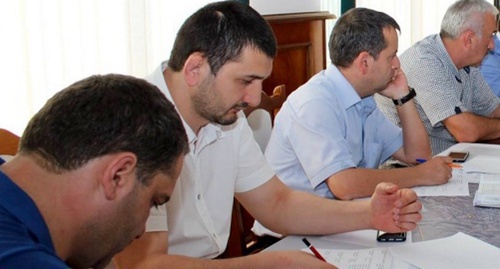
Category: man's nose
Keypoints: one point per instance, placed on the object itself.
(253, 96)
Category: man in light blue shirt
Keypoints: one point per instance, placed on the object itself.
(329, 137)
(491, 67)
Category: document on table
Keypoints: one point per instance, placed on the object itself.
(358, 258)
(459, 251)
(488, 192)
(371, 258)
(472, 177)
(364, 252)
(454, 252)
(458, 185)
(482, 164)
(361, 239)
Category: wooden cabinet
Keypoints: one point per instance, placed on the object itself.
(302, 48)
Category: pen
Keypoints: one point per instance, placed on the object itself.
(452, 165)
(420, 160)
(313, 249)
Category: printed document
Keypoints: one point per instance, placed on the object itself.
(488, 192)
(457, 186)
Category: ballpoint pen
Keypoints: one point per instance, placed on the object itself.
(452, 165)
(313, 249)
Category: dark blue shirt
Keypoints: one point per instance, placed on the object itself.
(25, 240)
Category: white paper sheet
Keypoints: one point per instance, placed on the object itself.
(473, 177)
(488, 192)
(364, 251)
(370, 258)
(362, 239)
(482, 164)
(457, 186)
(459, 251)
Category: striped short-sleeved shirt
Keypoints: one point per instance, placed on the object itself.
(442, 90)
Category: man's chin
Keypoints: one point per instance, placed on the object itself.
(228, 119)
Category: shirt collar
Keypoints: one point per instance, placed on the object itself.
(20, 205)
(346, 93)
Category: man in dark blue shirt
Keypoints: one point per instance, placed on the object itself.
(91, 163)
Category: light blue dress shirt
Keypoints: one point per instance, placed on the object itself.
(491, 68)
(325, 127)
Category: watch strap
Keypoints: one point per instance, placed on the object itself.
(406, 98)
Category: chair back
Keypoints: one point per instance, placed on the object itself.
(272, 103)
(261, 124)
(261, 117)
(9, 143)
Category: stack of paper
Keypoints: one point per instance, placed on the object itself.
(488, 192)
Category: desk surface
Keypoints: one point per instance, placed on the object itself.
(445, 216)
(442, 216)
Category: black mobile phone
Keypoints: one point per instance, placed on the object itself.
(458, 156)
(391, 237)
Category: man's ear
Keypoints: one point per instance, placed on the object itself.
(193, 68)
(467, 38)
(119, 177)
(363, 62)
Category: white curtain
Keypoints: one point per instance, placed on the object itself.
(417, 18)
(47, 45)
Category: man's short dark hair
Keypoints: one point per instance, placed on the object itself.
(358, 30)
(106, 114)
(220, 31)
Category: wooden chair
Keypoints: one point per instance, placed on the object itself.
(272, 103)
(261, 118)
(9, 143)
(242, 241)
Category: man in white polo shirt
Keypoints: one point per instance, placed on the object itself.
(221, 55)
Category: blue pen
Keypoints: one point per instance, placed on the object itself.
(452, 165)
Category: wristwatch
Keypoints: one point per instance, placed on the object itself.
(404, 99)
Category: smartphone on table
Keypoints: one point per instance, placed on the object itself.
(459, 156)
(391, 237)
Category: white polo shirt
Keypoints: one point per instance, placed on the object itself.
(222, 160)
